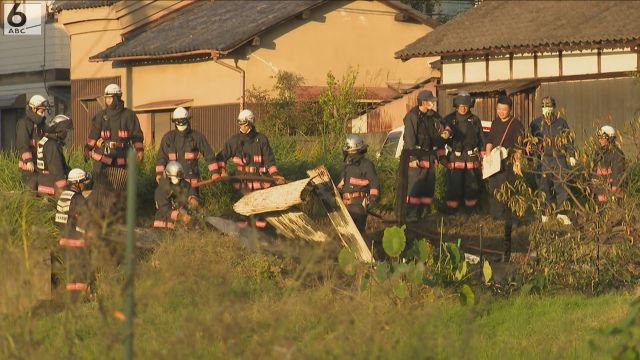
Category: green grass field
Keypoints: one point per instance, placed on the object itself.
(201, 296)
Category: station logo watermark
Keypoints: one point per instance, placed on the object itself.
(22, 18)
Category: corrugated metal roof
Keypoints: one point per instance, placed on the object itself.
(523, 26)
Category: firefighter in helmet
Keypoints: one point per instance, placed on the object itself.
(113, 131)
(51, 164)
(608, 167)
(554, 153)
(185, 145)
(251, 152)
(70, 207)
(423, 130)
(29, 130)
(464, 158)
(359, 185)
(175, 198)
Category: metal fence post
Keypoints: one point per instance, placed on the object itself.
(129, 301)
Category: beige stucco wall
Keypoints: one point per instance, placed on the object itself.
(206, 83)
(452, 72)
(619, 60)
(523, 66)
(90, 31)
(499, 68)
(475, 70)
(360, 34)
(548, 65)
(579, 62)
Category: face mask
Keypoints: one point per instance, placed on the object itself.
(182, 127)
(174, 180)
(547, 111)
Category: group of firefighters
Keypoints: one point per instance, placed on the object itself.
(458, 141)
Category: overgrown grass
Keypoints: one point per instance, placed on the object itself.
(201, 296)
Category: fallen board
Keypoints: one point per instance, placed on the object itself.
(276, 204)
(296, 224)
(338, 214)
(276, 198)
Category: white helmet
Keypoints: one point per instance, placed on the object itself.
(174, 171)
(354, 142)
(608, 132)
(246, 117)
(180, 113)
(38, 101)
(112, 90)
(78, 176)
(58, 124)
(58, 119)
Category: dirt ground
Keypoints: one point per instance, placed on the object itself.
(475, 231)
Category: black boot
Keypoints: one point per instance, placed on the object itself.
(411, 213)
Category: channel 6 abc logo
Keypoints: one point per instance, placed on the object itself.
(22, 18)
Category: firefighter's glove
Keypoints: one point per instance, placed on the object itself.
(572, 161)
(458, 153)
(193, 202)
(186, 218)
(86, 154)
(373, 200)
(279, 179)
(447, 149)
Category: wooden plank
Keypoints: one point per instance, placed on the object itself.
(339, 215)
(277, 198)
(296, 225)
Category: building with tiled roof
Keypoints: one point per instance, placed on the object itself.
(583, 53)
(205, 54)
